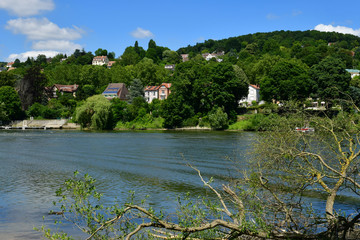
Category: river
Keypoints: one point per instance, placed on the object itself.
(35, 163)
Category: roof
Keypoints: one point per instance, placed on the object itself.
(118, 89)
(152, 88)
(111, 63)
(167, 85)
(353, 70)
(254, 86)
(99, 58)
(66, 88)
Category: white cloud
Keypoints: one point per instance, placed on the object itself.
(42, 29)
(23, 56)
(271, 16)
(59, 45)
(24, 8)
(142, 33)
(339, 29)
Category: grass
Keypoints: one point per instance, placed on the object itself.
(140, 124)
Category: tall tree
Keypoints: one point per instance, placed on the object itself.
(136, 90)
(331, 78)
(287, 80)
(32, 86)
(10, 100)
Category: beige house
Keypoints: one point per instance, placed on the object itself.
(62, 89)
(157, 92)
(100, 60)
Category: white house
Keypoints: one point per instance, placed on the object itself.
(253, 95)
(151, 93)
(353, 72)
(100, 60)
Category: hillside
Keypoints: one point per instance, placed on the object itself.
(283, 38)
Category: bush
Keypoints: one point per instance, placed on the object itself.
(95, 113)
(218, 119)
(191, 122)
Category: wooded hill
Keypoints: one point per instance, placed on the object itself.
(270, 40)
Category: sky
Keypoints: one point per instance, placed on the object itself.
(32, 27)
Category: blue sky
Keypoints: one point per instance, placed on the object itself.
(31, 27)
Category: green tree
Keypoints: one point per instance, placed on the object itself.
(7, 79)
(32, 86)
(136, 90)
(331, 78)
(101, 52)
(11, 103)
(130, 57)
(95, 113)
(171, 57)
(149, 72)
(218, 119)
(17, 63)
(287, 80)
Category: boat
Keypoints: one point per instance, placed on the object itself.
(304, 129)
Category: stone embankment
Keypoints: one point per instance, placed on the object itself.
(42, 124)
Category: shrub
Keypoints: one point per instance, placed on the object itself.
(218, 119)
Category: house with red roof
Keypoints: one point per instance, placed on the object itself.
(100, 60)
(253, 95)
(157, 92)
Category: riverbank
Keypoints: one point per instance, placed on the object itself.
(42, 124)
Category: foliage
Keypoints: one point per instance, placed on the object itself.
(145, 122)
(136, 90)
(288, 79)
(7, 79)
(297, 164)
(32, 86)
(218, 119)
(11, 105)
(95, 113)
(330, 77)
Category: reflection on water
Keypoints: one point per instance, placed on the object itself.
(35, 163)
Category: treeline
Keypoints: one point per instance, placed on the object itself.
(287, 66)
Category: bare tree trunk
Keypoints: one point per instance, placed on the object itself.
(331, 199)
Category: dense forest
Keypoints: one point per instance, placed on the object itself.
(287, 65)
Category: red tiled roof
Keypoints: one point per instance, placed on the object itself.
(100, 58)
(255, 86)
(167, 85)
(152, 88)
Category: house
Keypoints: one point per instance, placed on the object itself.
(10, 64)
(185, 57)
(216, 55)
(164, 91)
(253, 95)
(110, 64)
(170, 67)
(3, 69)
(157, 92)
(151, 93)
(100, 60)
(116, 90)
(353, 72)
(52, 91)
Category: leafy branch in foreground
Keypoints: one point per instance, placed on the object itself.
(270, 201)
(80, 204)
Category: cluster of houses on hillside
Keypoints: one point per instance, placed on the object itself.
(161, 92)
